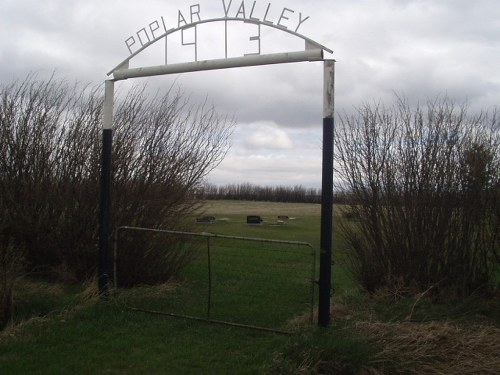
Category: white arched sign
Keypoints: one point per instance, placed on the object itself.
(285, 20)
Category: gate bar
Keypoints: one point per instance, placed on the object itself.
(232, 62)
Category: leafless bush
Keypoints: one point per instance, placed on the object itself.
(425, 184)
(50, 166)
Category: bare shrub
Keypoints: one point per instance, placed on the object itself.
(161, 260)
(48, 173)
(425, 188)
(50, 167)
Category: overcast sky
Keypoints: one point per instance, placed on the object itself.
(418, 48)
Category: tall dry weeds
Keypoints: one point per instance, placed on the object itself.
(434, 348)
(424, 184)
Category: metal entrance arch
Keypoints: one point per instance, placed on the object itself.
(313, 52)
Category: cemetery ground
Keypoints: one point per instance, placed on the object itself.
(60, 329)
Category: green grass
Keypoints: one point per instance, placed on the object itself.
(254, 282)
(106, 338)
(304, 226)
(80, 336)
(67, 329)
(231, 220)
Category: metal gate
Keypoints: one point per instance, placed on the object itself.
(247, 282)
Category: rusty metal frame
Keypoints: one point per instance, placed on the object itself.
(210, 236)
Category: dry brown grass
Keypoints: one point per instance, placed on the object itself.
(156, 291)
(439, 347)
(433, 348)
(90, 291)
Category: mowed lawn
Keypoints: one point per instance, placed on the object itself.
(82, 335)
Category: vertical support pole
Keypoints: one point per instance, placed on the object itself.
(105, 198)
(325, 266)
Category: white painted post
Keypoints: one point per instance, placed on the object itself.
(109, 94)
(329, 89)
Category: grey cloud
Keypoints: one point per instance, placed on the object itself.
(418, 48)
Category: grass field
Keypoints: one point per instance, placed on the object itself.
(254, 282)
(304, 225)
(72, 331)
(231, 219)
(67, 329)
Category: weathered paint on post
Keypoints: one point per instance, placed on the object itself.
(329, 89)
(109, 94)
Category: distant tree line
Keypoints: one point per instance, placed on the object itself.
(251, 192)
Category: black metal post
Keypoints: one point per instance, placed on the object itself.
(326, 240)
(325, 267)
(105, 211)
